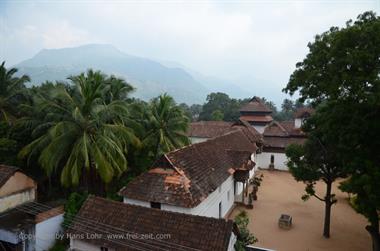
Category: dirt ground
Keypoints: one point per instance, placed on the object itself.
(280, 193)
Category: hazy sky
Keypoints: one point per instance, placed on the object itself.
(235, 40)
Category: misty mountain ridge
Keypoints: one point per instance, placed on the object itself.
(150, 78)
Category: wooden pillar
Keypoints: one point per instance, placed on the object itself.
(242, 193)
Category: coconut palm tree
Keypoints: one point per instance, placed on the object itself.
(166, 126)
(86, 139)
(10, 90)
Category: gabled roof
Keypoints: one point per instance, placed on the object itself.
(212, 129)
(255, 105)
(303, 112)
(6, 172)
(283, 129)
(275, 129)
(281, 134)
(208, 129)
(185, 177)
(257, 118)
(250, 132)
(187, 232)
(281, 142)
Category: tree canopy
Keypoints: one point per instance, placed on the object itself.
(316, 160)
(342, 72)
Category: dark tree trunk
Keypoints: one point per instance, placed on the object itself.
(373, 230)
(328, 204)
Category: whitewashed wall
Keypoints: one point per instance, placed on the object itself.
(79, 245)
(298, 123)
(195, 140)
(14, 200)
(232, 242)
(209, 207)
(46, 232)
(263, 160)
(259, 128)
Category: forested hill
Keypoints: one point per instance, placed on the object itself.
(150, 78)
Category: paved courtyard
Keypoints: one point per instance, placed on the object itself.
(280, 193)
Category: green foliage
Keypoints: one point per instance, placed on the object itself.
(224, 104)
(72, 206)
(8, 151)
(217, 115)
(219, 106)
(245, 237)
(256, 181)
(60, 245)
(165, 126)
(83, 129)
(11, 92)
(342, 74)
(316, 160)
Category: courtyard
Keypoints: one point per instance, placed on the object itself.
(280, 194)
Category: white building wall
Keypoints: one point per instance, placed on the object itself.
(14, 200)
(195, 140)
(298, 123)
(259, 128)
(79, 245)
(280, 160)
(46, 232)
(136, 202)
(232, 242)
(210, 206)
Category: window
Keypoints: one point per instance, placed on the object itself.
(220, 209)
(155, 205)
(234, 187)
(272, 159)
(103, 249)
(228, 195)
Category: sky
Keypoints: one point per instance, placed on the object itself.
(239, 41)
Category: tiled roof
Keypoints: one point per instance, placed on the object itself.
(256, 118)
(255, 105)
(282, 142)
(187, 232)
(276, 129)
(6, 172)
(303, 112)
(282, 134)
(212, 129)
(250, 132)
(283, 129)
(185, 177)
(209, 129)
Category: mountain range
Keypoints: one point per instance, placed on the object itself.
(150, 78)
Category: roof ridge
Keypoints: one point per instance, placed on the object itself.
(91, 196)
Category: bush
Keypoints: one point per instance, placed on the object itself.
(72, 206)
(245, 237)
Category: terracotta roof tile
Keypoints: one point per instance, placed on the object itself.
(110, 217)
(303, 112)
(6, 172)
(209, 129)
(212, 129)
(257, 118)
(281, 134)
(255, 105)
(281, 142)
(199, 170)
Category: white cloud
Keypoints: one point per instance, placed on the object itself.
(62, 34)
(229, 39)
